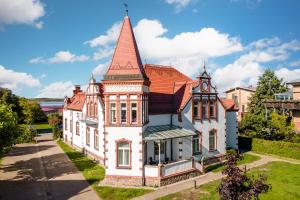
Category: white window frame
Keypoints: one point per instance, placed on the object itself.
(115, 113)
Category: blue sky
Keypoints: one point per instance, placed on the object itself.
(47, 46)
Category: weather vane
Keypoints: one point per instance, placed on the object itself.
(126, 8)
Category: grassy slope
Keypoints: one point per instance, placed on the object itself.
(94, 173)
(248, 158)
(39, 126)
(284, 178)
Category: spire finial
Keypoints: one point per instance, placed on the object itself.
(204, 65)
(126, 8)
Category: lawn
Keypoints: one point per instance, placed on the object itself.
(248, 158)
(94, 173)
(42, 126)
(284, 178)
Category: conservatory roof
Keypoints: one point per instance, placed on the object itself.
(162, 132)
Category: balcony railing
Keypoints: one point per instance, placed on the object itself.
(83, 117)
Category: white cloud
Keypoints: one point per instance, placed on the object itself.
(288, 75)
(295, 63)
(22, 12)
(16, 80)
(101, 69)
(60, 57)
(245, 70)
(37, 60)
(103, 53)
(66, 56)
(179, 4)
(110, 37)
(57, 90)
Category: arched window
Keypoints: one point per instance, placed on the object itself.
(123, 154)
(212, 140)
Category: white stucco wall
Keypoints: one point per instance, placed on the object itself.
(231, 130)
(129, 133)
(162, 119)
(204, 127)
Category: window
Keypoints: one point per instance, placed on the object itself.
(195, 112)
(88, 109)
(133, 112)
(212, 140)
(66, 124)
(204, 109)
(235, 98)
(113, 118)
(91, 110)
(71, 126)
(77, 128)
(212, 109)
(123, 154)
(87, 137)
(196, 149)
(123, 112)
(96, 139)
(162, 148)
(96, 110)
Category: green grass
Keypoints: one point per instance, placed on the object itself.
(248, 158)
(40, 126)
(94, 173)
(284, 178)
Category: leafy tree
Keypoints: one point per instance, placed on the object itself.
(54, 119)
(237, 185)
(32, 112)
(9, 130)
(268, 85)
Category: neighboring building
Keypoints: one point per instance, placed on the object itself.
(240, 95)
(149, 125)
(288, 101)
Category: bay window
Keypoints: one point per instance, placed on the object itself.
(123, 157)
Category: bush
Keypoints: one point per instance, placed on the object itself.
(57, 132)
(27, 134)
(280, 148)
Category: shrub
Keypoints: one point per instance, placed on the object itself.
(27, 134)
(280, 148)
(57, 132)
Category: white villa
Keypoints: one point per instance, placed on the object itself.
(149, 124)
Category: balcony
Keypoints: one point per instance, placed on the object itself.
(83, 117)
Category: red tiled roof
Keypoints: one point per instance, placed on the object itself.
(126, 59)
(229, 105)
(169, 89)
(77, 102)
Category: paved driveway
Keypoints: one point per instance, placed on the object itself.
(41, 171)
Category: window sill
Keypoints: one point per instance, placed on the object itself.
(123, 167)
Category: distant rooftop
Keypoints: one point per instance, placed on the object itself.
(294, 82)
(249, 88)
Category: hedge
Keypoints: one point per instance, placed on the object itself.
(280, 148)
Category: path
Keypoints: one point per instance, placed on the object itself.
(41, 171)
(206, 178)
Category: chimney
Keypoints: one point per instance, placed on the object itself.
(77, 90)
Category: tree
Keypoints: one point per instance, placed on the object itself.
(54, 119)
(237, 185)
(268, 85)
(9, 130)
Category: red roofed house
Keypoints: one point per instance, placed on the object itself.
(149, 124)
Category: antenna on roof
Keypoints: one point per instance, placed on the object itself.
(126, 8)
